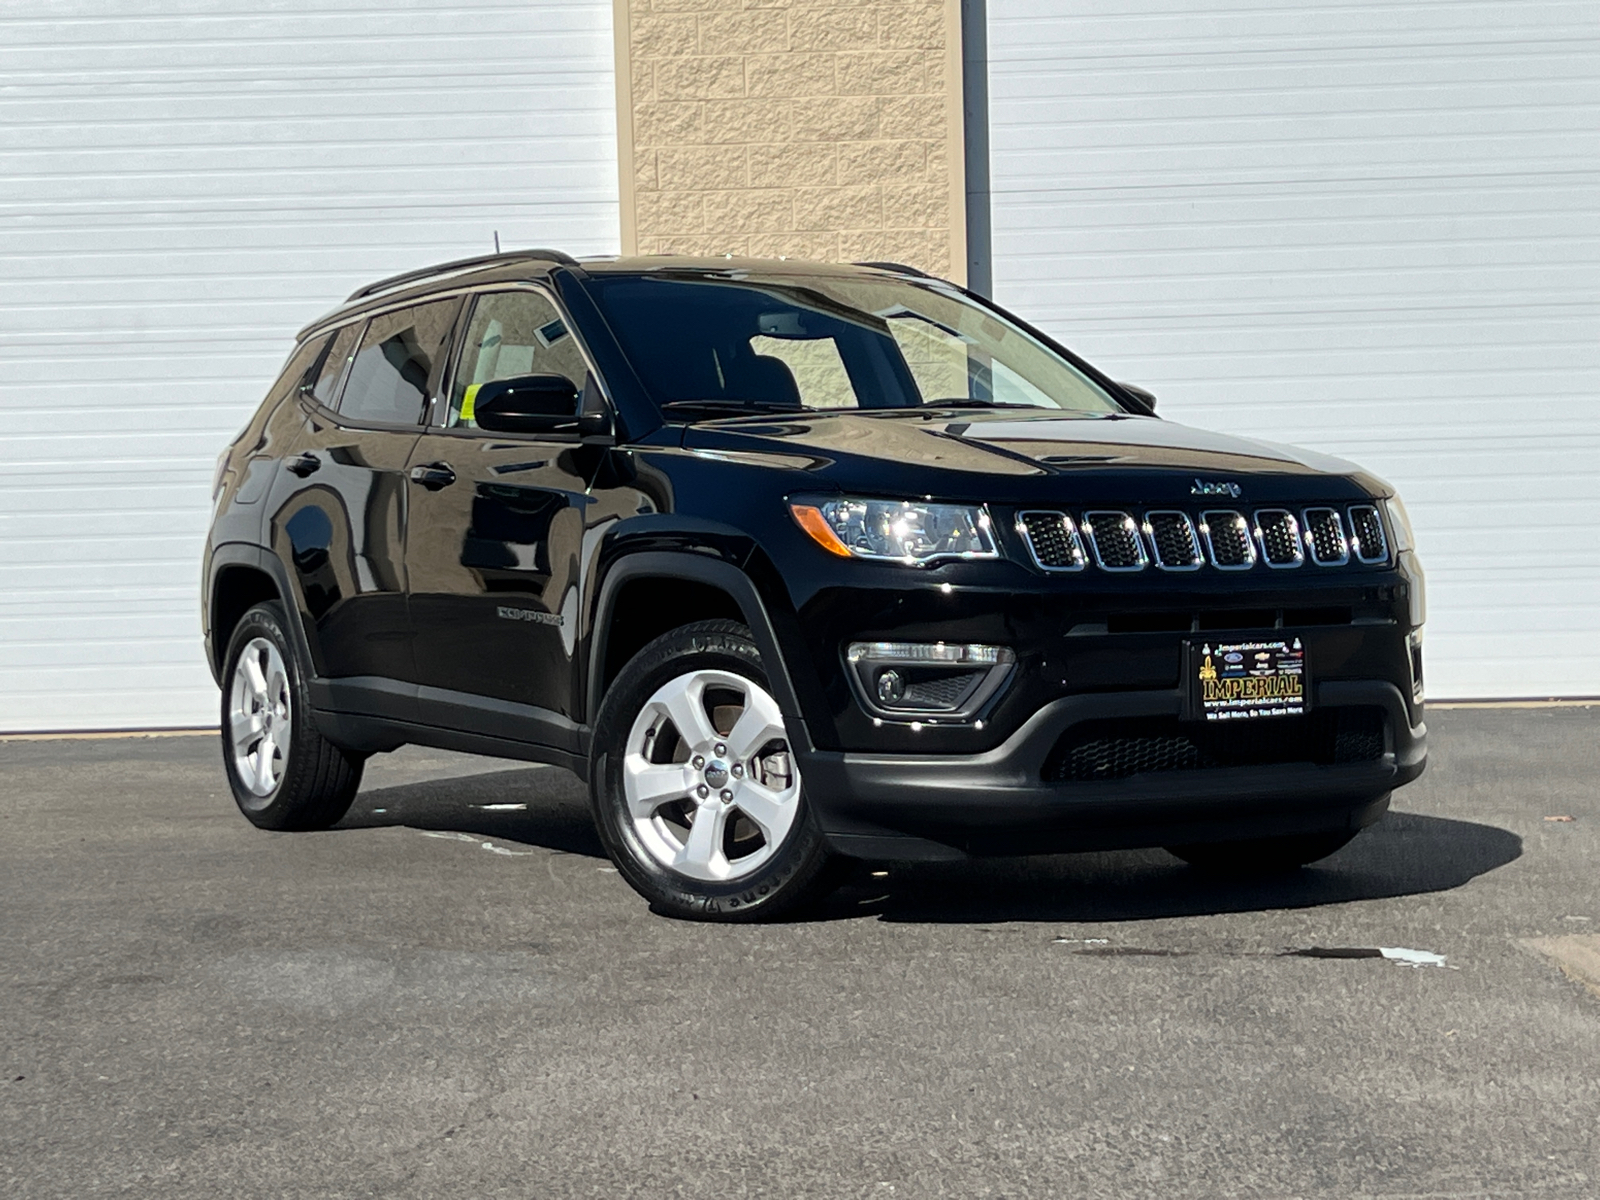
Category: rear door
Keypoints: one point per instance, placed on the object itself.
(339, 509)
(496, 537)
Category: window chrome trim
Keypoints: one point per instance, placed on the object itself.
(1080, 556)
(1128, 523)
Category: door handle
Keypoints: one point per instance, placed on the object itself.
(433, 476)
(303, 464)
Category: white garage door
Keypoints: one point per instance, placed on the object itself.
(1373, 229)
(183, 185)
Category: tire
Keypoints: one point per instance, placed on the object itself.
(659, 780)
(284, 774)
(1262, 856)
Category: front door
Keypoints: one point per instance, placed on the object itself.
(496, 536)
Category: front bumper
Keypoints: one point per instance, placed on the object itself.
(902, 806)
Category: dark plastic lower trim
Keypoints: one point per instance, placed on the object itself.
(998, 802)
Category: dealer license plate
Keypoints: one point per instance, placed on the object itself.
(1234, 681)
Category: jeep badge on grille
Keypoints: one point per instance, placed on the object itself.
(1216, 487)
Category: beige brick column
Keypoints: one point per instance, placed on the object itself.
(806, 128)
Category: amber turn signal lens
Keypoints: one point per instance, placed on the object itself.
(809, 518)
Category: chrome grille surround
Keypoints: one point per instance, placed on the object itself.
(1325, 537)
(1115, 539)
(1052, 539)
(1367, 539)
(1278, 534)
(1173, 539)
(1228, 540)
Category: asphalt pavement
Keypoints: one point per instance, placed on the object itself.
(453, 994)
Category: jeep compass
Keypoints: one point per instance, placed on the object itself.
(798, 564)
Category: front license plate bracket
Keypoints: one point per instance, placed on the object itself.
(1245, 679)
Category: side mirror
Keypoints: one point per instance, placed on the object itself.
(1143, 397)
(528, 404)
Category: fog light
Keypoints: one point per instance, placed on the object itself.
(948, 680)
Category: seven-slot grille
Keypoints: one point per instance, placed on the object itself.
(1114, 536)
(1052, 540)
(1174, 540)
(1325, 536)
(1230, 540)
(1279, 534)
(1366, 535)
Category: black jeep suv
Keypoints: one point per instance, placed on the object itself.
(797, 564)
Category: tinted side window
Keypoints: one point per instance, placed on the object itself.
(297, 368)
(399, 360)
(512, 334)
(323, 386)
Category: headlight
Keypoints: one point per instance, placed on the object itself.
(1400, 522)
(896, 530)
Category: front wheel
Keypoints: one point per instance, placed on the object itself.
(696, 791)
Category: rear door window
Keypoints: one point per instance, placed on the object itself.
(398, 364)
(323, 384)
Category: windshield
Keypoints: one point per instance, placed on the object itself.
(710, 346)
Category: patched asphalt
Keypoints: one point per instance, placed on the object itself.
(444, 998)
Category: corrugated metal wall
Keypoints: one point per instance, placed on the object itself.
(183, 184)
(1373, 229)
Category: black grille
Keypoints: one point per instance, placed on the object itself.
(1366, 534)
(1172, 534)
(1280, 537)
(1103, 750)
(939, 691)
(1052, 540)
(1228, 535)
(1116, 541)
(1325, 534)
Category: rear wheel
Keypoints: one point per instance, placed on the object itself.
(697, 794)
(1262, 856)
(284, 774)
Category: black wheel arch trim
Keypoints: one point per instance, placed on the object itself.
(697, 568)
(245, 554)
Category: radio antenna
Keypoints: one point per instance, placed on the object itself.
(497, 241)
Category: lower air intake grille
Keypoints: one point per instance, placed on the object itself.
(1280, 537)
(1116, 541)
(1325, 534)
(1052, 540)
(1366, 534)
(1228, 537)
(1172, 534)
(1103, 750)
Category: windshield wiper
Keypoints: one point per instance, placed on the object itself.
(974, 402)
(728, 405)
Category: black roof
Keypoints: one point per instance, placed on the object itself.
(518, 265)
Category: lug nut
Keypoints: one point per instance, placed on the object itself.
(721, 749)
(738, 771)
(699, 761)
(727, 795)
(702, 791)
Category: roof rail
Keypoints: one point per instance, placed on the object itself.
(897, 268)
(460, 264)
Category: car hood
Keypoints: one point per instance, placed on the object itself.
(1061, 455)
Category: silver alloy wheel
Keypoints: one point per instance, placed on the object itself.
(711, 787)
(258, 717)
